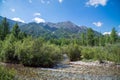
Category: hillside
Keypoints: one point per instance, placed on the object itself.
(64, 29)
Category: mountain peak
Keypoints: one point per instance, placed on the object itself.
(65, 22)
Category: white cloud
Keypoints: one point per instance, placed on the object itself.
(42, 1)
(18, 19)
(98, 24)
(30, 1)
(96, 3)
(60, 1)
(36, 14)
(119, 34)
(106, 33)
(12, 9)
(38, 20)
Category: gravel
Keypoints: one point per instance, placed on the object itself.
(73, 71)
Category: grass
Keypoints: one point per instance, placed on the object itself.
(6, 74)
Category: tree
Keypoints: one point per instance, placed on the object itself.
(102, 41)
(22, 35)
(4, 29)
(16, 31)
(96, 40)
(83, 38)
(107, 38)
(113, 35)
(90, 37)
(0, 31)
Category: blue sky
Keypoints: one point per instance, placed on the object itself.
(101, 15)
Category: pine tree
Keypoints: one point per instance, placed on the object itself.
(107, 39)
(90, 37)
(4, 29)
(16, 31)
(102, 41)
(96, 40)
(83, 38)
(113, 36)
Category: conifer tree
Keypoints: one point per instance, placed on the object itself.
(16, 30)
(4, 29)
(90, 37)
(113, 36)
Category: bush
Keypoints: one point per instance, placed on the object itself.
(8, 52)
(74, 52)
(1, 50)
(33, 52)
(7, 74)
(87, 53)
(113, 52)
(50, 55)
(109, 52)
(28, 51)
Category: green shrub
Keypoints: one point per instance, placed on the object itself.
(87, 53)
(33, 52)
(74, 52)
(51, 55)
(8, 52)
(28, 51)
(109, 53)
(113, 52)
(1, 50)
(7, 74)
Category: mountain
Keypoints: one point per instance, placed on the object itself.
(49, 30)
(65, 29)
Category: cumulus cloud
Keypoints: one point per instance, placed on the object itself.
(18, 19)
(106, 33)
(30, 1)
(98, 24)
(12, 9)
(96, 3)
(36, 14)
(119, 34)
(38, 20)
(60, 1)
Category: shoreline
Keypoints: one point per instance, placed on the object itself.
(78, 70)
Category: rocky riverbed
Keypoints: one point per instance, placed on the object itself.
(73, 71)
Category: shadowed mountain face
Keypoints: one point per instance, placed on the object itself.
(64, 29)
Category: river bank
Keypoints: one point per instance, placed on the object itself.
(78, 70)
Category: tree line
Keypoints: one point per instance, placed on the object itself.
(92, 39)
(5, 30)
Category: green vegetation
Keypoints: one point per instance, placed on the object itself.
(6, 74)
(109, 53)
(73, 51)
(17, 47)
(4, 29)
